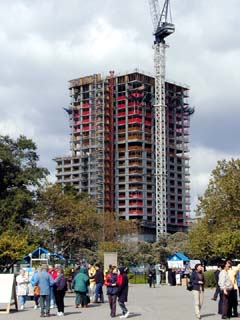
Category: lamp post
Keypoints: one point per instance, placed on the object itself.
(30, 256)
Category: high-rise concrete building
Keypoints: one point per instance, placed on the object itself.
(112, 156)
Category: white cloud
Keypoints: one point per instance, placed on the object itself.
(45, 43)
(203, 161)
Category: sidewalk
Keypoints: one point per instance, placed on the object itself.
(170, 303)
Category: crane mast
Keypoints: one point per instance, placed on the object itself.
(162, 29)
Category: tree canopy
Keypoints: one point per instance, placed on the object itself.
(218, 231)
(19, 178)
(73, 221)
(13, 246)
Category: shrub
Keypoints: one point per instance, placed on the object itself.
(137, 278)
(209, 279)
(67, 271)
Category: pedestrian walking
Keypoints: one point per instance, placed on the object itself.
(216, 277)
(59, 289)
(53, 273)
(80, 285)
(197, 279)
(99, 279)
(238, 283)
(123, 291)
(158, 272)
(22, 288)
(44, 282)
(70, 279)
(151, 275)
(233, 294)
(225, 286)
(36, 290)
(112, 289)
(92, 282)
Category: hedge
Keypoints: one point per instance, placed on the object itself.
(209, 279)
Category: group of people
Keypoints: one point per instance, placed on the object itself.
(226, 287)
(50, 286)
(88, 286)
(155, 274)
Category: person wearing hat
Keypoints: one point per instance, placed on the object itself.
(122, 292)
(197, 279)
(80, 284)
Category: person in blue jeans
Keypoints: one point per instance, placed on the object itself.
(45, 282)
(99, 279)
(22, 288)
(238, 282)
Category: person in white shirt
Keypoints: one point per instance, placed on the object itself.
(226, 286)
(22, 288)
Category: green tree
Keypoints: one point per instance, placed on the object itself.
(19, 179)
(13, 247)
(74, 223)
(71, 219)
(115, 229)
(177, 242)
(218, 232)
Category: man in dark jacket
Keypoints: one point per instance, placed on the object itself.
(216, 276)
(99, 279)
(59, 289)
(123, 291)
(151, 275)
(197, 279)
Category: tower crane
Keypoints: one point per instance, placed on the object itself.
(163, 27)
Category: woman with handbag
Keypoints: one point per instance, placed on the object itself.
(36, 290)
(197, 280)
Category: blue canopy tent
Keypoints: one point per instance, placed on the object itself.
(178, 256)
(177, 260)
(41, 255)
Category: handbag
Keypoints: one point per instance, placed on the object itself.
(36, 290)
(189, 286)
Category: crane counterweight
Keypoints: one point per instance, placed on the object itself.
(164, 31)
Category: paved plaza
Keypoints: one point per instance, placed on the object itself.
(170, 303)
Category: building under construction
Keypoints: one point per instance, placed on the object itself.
(112, 135)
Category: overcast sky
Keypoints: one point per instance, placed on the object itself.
(45, 43)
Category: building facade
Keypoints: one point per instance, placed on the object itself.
(112, 157)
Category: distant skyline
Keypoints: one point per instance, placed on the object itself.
(46, 43)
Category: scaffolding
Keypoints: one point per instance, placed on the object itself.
(100, 146)
(112, 125)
